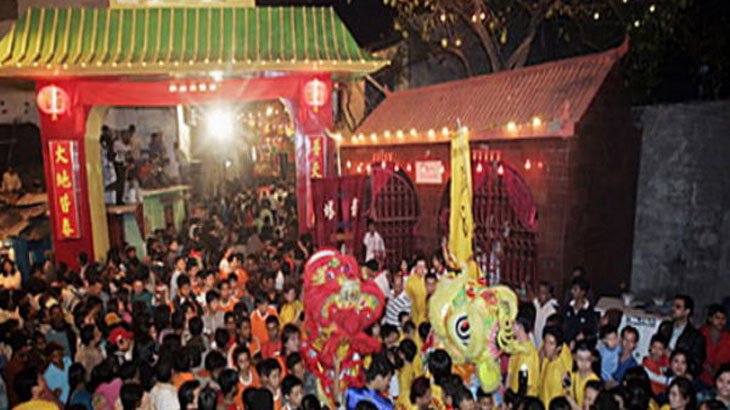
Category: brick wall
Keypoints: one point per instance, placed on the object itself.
(548, 187)
(585, 194)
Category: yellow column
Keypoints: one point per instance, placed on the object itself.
(95, 181)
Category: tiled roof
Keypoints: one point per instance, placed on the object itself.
(558, 93)
(150, 40)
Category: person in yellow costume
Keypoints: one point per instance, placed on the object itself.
(555, 363)
(292, 309)
(406, 374)
(525, 358)
(416, 291)
(583, 358)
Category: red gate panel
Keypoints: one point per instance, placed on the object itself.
(505, 223)
(395, 212)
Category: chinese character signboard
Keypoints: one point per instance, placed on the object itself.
(340, 216)
(64, 169)
(316, 156)
(429, 172)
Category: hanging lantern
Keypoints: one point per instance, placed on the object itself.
(52, 100)
(315, 94)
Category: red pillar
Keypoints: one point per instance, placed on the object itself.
(312, 122)
(69, 126)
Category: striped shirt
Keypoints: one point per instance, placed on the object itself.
(396, 305)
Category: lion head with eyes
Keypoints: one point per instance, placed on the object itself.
(339, 304)
(473, 323)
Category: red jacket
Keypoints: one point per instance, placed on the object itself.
(717, 354)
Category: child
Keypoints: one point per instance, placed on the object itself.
(609, 351)
(656, 364)
(485, 401)
(582, 374)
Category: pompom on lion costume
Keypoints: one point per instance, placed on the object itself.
(473, 323)
(339, 304)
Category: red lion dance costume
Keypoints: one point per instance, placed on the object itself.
(339, 304)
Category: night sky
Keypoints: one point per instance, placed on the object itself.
(369, 20)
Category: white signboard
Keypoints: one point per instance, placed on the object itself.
(429, 172)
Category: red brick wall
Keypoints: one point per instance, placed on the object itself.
(585, 195)
(549, 188)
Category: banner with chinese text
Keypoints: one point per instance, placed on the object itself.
(316, 156)
(340, 212)
(64, 180)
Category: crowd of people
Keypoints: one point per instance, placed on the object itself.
(129, 165)
(211, 318)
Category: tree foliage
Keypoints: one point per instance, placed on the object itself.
(509, 34)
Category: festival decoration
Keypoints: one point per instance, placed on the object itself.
(315, 94)
(341, 304)
(473, 323)
(52, 100)
(63, 155)
(316, 155)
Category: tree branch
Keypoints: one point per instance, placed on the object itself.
(522, 52)
(462, 59)
(486, 40)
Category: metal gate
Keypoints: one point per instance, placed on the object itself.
(395, 213)
(505, 223)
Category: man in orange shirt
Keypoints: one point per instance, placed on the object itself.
(272, 348)
(259, 316)
(238, 270)
(247, 376)
(227, 301)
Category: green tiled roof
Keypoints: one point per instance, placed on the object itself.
(162, 41)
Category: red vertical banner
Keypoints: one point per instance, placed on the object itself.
(316, 156)
(64, 161)
(340, 214)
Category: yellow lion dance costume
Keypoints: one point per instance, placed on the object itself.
(473, 323)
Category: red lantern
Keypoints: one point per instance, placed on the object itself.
(52, 100)
(315, 94)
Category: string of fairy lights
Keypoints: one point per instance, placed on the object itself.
(481, 163)
(479, 16)
(443, 134)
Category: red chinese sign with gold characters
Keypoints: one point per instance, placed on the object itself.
(316, 156)
(64, 167)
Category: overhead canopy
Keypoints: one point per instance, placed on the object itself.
(47, 42)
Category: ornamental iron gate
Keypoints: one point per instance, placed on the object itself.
(505, 223)
(395, 212)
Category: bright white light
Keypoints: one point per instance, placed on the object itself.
(229, 163)
(220, 123)
(217, 75)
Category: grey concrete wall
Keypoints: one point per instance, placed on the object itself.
(682, 229)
